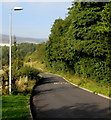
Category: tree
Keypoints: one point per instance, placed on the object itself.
(81, 40)
(5, 56)
(16, 62)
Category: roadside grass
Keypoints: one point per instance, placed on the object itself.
(38, 65)
(88, 84)
(1, 72)
(82, 82)
(15, 107)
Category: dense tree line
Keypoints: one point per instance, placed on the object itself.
(26, 49)
(5, 56)
(81, 43)
(18, 51)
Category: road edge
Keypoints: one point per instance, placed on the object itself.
(101, 95)
(31, 117)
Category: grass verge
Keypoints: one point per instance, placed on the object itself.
(38, 65)
(86, 83)
(15, 107)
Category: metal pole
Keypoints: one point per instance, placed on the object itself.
(10, 54)
(31, 61)
(10, 49)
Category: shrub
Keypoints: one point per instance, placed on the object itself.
(94, 69)
(24, 85)
(5, 91)
(28, 71)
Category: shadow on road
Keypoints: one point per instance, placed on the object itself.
(77, 111)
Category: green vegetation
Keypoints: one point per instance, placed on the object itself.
(87, 83)
(28, 77)
(28, 71)
(18, 50)
(24, 78)
(5, 55)
(80, 45)
(79, 49)
(19, 71)
(76, 43)
(15, 107)
(26, 49)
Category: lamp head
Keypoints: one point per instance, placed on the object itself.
(17, 8)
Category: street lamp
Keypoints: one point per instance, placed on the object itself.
(10, 42)
(31, 62)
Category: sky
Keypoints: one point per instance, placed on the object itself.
(36, 18)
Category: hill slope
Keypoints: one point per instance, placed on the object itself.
(5, 39)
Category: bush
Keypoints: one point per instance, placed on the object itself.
(28, 71)
(24, 85)
(94, 69)
(5, 91)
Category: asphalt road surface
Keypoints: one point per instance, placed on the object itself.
(55, 98)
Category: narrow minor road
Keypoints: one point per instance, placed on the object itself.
(54, 98)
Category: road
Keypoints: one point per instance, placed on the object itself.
(55, 98)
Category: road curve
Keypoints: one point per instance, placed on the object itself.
(55, 98)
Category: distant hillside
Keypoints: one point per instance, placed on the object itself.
(5, 39)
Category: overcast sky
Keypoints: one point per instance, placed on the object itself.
(35, 20)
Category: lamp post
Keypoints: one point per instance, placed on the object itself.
(31, 62)
(10, 43)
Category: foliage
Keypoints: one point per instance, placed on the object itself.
(82, 42)
(16, 63)
(25, 85)
(5, 91)
(15, 107)
(19, 51)
(6, 74)
(28, 76)
(38, 54)
(29, 72)
(5, 55)
(25, 49)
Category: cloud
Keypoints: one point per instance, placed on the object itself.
(9, 0)
(49, 0)
(36, 0)
(55, 0)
